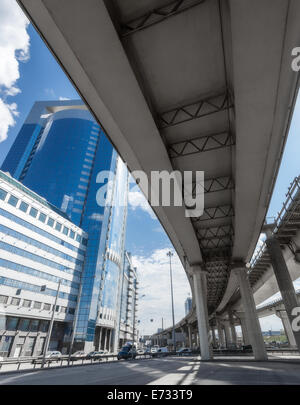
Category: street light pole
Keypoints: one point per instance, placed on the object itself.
(134, 329)
(170, 254)
(75, 323)
(50, 326)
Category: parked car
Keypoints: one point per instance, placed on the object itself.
(161, 352)
(127, 352)
(78, 355)
(95, 355)
(184, 351)
(247, 349)
(140, 351)
(51, 355)
(153, 349)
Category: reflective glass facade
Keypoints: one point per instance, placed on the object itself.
(61, 152)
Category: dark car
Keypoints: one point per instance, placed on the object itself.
(247, 349)
(184, 351)
(127, 352)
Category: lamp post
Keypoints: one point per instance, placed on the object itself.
(43, 287)
(170, 254)
(75, 323)
(134, 317)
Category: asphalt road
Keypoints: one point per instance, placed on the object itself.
(166, 371)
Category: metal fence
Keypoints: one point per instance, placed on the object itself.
(63, 361)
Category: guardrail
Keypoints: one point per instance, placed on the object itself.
(63, 361)
(282, 218)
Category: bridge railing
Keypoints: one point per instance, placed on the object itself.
(274, 302)
(63, 361)
(283, 216)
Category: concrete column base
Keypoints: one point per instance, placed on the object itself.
(201, 310)
(252, 322)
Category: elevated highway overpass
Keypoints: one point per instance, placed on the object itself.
(286, 227)
(183, 85)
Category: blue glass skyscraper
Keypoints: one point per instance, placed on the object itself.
(58, 153)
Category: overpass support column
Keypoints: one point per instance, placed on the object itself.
(227, 333)
(242, 318)
(220, 334)
(287, 328)
(213, 336)
(199, 279)
(190, 336)
(252, 322)
(284, 280)
(183, 334)
(232, 327)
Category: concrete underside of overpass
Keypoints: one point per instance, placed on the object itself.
(189, 85)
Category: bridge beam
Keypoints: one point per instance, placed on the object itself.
(283, 278)
(252, 322)
(199, 279)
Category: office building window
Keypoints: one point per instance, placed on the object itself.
(3, 194)
(12, 323)
(13, 200)
(15, 301)
(23, 206)
(33, 212)
(30, 346)
(63, 309)
(72, 234)
(37, 305)
(47, 307)
(24, 325)
(43, 326)
(66, 230)
(72, 311)
(34, 325)
(58, 226)
(42, 217)
(50, 222)
(3, 299)
(5, 346)
(26, 303)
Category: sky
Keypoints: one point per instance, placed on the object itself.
(29, 73)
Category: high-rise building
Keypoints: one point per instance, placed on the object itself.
(60, 153)
(39, 247)
(188, 305)
(129, 302)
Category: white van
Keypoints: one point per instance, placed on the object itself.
(161, 351)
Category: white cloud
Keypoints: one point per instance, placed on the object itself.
(6, 119)
(154, 277)
(136, 199)
(64, 98)
(14, 47)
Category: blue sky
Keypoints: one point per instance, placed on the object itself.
(34, 75)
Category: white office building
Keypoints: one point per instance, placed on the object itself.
(39, 246)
